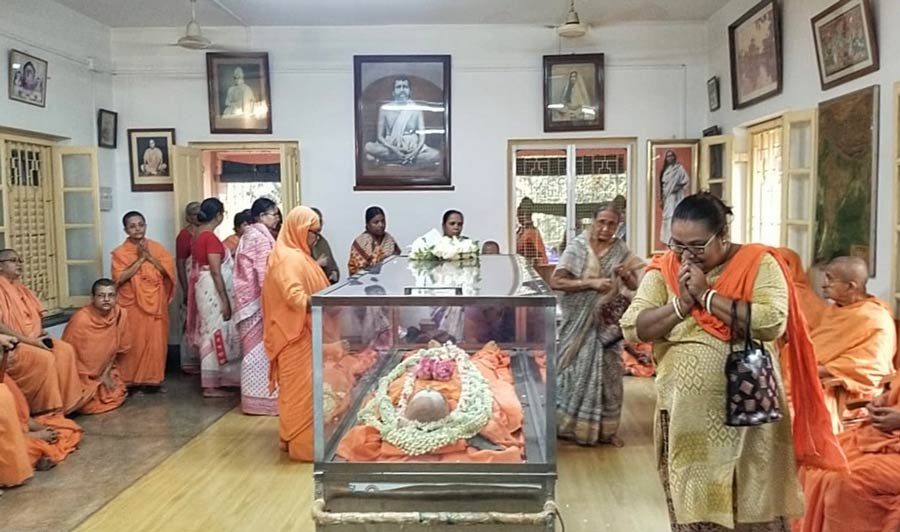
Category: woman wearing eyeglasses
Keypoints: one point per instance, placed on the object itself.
(593, 274)
(718, 477)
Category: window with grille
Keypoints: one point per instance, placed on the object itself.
(555, 189)
(765, 185)
(49, 214)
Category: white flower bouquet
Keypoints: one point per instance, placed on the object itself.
(444, 249)
(464, 275)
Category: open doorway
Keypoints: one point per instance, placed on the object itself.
(239, 176)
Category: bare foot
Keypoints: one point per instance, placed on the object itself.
(44, 464)
(47, 434)
(216, 392)
(615, 441)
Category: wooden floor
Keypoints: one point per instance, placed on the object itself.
(232, 477)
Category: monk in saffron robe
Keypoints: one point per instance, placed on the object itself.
(43, 367)
(292, 278)
(145, 274)
(811, 304)
(855, 341)
(868, 498)
(99, 334)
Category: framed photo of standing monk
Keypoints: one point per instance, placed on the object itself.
(149, 152)
(239, 97)
(671, 175)
(402, 116)
(573, 92)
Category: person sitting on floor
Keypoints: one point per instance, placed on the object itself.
(812, 305)
(490, 248)
(44, 368)
(856, 340)
(867, 499)
(99, 334)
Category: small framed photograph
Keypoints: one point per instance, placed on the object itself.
(756, 63)
(107, 128)
(846, 46)
(240, 100)
(573, 92)
(27, 78)
(712, 93)
(402, 122)
(149, 151)
(671, 176)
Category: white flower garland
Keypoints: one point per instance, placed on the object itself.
(472, 412)
(447, 274)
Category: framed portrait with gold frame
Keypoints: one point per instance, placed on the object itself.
(672, 166)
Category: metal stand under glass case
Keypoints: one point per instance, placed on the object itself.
(434, 398)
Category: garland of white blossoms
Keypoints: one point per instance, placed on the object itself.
(447, 248)
(472, 412)
(446, 274)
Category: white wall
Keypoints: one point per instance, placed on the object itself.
(77, 50)
(802, 90)
(655, 89)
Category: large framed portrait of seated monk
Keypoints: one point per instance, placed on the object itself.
(402, 113)
(239, 97)
(573, 92)
(149, 154)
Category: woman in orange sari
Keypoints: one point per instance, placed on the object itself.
(374, 245)
(292, 278)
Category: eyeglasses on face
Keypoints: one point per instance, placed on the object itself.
(16, 259)
(696, 250)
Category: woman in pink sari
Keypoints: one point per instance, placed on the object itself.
(251, 259)
(209, 305)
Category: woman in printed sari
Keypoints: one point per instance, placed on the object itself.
(374, 245)
(250, 262)
(718, 477)
(593, 273)
(291, 280)
(209, 310)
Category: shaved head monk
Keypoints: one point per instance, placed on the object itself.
(26, 443)
(99, 333)
(145, 275)
(44, 368)
(855, 341)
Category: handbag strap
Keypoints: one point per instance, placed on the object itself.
(734, 321)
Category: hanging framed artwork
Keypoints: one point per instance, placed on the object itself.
(107, 128)
(756, 63)
(712, 93)
(573, 92)
(239, 97)
(27, 78)
(149, 152)
(671, 175)
(402, 122)
(847, 176)
(846, 44)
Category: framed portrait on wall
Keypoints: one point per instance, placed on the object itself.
(846, 46)
(107, 128)
(573, 92)
(239, 97)
(149, 153)
(402, 122)
(27, 78)
(671, 176)
(847, 176)
(712, 93)
(756, 63)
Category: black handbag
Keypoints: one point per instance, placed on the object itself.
(751, 397)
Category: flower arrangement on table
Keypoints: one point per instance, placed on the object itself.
(464, 275)
(445, 249)
(420, 422)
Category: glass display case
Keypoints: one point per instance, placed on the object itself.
(434, 388)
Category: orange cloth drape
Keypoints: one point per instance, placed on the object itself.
(868, 498)
(99, 340)
(814, 442)
(530, 245)
(811, 304)
(292, 277)
(68, 432)
(15, 465)
(231, 243)
(146, 296)
(49, 378)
